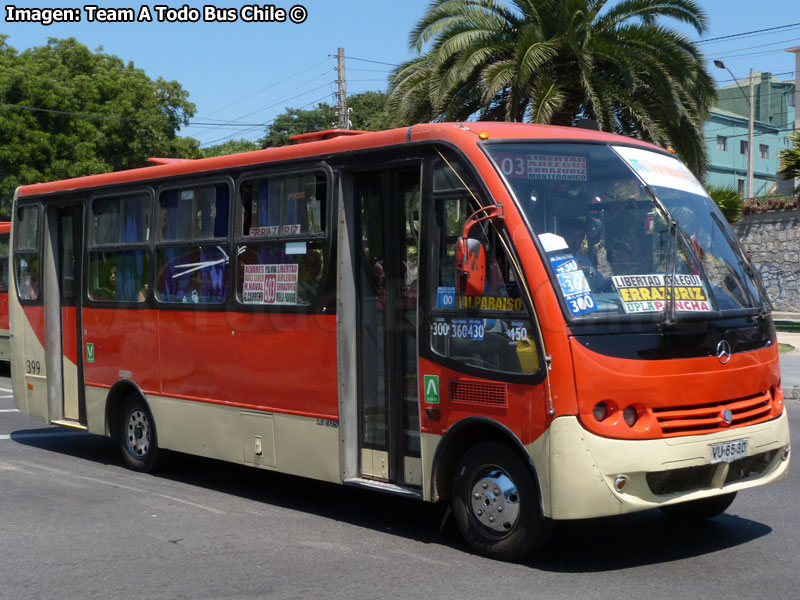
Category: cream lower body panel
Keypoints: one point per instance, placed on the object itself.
(577, 469)
(5, 345)
(280, 442)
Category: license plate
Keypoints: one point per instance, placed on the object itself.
(728, 451)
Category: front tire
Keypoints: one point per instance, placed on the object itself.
(699, 510)
(496, 503)
(137, 435)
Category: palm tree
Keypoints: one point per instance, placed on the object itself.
(790, 160)
(555, 61)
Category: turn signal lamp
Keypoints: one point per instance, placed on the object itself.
(620, 483)
(483, 135)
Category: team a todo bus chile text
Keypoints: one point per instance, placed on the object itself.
(267, 13)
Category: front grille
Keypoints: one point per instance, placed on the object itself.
(689, 479)
(478, 392)
(708, 418)
(751, 465)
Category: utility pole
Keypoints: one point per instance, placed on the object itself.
(750, 149)
(341, 94)
(796, 52)
(751, 103)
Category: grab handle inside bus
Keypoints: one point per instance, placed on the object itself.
(471, 254)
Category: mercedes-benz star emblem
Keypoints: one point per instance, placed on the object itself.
(724, 351)
(727, 416)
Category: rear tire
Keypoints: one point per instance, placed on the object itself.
(137, 435)
(496, 503)
(699, 510)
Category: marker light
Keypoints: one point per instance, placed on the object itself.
(600, 411)
(630, 415)
(483, 135)
(786, 452)
(620, 483)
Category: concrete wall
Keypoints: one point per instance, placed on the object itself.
(773, 241)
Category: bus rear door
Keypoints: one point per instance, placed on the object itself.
(62, 270)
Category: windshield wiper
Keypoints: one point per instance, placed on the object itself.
(668, 314)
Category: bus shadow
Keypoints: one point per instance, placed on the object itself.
(590, 545)
(639, 539)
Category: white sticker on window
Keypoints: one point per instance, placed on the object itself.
(270, 284)
(295, 248)
(652, 293)
(660, 170)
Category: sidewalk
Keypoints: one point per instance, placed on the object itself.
(790, 361)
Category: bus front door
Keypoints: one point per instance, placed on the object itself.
(387, 258)
(62, 286)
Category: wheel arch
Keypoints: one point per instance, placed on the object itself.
(114, 401)
(459, 438)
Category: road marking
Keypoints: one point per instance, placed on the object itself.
(2, 389)
(24, 436)
(9, 410)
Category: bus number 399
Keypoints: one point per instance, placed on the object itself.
(33, 367)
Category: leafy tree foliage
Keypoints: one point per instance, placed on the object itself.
(790, 159)
(66, 111)
(230, 147)
(556, 61)
(367, 112)
(298, 120)
(729, 201)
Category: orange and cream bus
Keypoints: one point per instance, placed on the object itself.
(532, 323)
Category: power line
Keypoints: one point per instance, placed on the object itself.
(753, 47)
(746, 33)
(206, 144)
(377, 62)
(269, 86)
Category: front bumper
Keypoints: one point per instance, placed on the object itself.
(578, 481)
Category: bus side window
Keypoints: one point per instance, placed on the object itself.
(26, 252)
(283, 259)
(4, 263)
(492, 331)
(192, 261)
(119, 257)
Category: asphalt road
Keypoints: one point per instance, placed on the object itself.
(74, 523)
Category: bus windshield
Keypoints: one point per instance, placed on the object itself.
(625, 230)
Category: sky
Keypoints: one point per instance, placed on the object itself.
(241, 73)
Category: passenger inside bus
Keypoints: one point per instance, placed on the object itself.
(108, 288)
(573, 230)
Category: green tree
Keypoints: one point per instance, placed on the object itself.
(230, 147)
(367, 111)
(728, 199)
(66, 111)
(298, 120)
(556, 61)
(790, 160)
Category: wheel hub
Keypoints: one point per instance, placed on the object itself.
(138, 433)
(495, 501)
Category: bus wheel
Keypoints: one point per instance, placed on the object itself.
(700, 510)
(137, 435)
(496, 503)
